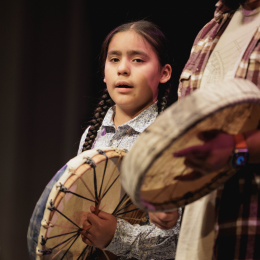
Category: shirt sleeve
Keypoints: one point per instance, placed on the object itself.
(144, 242)
(82, 141)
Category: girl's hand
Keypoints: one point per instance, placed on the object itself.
(102, 229)
(164, 220)
(212, 156)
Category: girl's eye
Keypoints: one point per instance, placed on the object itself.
(114, 60)
(138, 60)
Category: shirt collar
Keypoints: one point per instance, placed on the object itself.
(139, 123)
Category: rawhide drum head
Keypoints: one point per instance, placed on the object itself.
(91, 178)
(149, 169)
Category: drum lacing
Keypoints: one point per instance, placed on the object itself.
(44, 241)
(118, 214)
(123, 204)
(74, 237)
(105, 168)
(52, 207)
(66, 190)
(49, 250)
(46, 224)
(91, 162)
(101, 152)
(76, 234)
(45, 252)
(93, 165)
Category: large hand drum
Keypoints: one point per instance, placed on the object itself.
(149, 169)
(91, 178)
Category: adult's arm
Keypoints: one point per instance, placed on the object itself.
(253, 144)
(214, 154)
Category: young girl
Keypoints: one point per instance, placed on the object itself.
(137, 73)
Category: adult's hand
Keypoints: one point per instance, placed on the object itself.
(164, 220)
(213, 155)
(102, 230)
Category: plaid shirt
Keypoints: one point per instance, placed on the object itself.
(238, 207)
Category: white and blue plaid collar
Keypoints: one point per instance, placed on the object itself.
(139, 123)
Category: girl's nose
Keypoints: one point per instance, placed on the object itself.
(123, 68)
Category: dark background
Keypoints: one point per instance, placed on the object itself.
(49, 85)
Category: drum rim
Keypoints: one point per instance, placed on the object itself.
(252, 96)
(111, 152)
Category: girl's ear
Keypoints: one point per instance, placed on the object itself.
(166, 73)
(105, 80)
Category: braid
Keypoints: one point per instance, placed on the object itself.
(99, 114)
(162, 98)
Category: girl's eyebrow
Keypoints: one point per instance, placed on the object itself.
(135, 52)
(114, 53)
(130, 53)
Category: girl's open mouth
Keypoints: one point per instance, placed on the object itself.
(124, 86)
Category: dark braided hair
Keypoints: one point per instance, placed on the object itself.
(153, 35)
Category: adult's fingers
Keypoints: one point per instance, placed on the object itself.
(189, 177)
(195, 161)
(209, 135)
(195, 164)
(198, 151)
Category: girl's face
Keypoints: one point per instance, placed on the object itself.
(133, 72)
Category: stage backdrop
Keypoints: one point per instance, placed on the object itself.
(50, 84)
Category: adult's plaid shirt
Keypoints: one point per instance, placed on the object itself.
(238, 208)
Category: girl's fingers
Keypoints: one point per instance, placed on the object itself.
(86, 224)
(86, 238)
(92, 209)
(104, 215)
(95, 220)
(87, 241)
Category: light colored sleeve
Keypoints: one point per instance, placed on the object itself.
(144, 242)
(82, 140)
